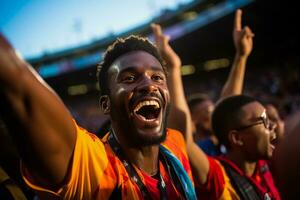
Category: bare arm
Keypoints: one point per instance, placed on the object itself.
(37, 118)
(243, 43)
(173, 64)
(180, 117)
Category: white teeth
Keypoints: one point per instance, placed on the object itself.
(146, 103)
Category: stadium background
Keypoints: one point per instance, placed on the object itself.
(201, 33)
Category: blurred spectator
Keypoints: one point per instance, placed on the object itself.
(287, 162)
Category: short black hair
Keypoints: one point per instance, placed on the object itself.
(197, 98)
(120, 47)
(226, 116)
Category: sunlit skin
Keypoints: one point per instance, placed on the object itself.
(134, 78)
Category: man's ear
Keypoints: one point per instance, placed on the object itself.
(235, 138)
(104, 102)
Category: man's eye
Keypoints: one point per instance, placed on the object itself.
(157, 77)
(129, 79)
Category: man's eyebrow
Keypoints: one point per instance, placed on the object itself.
(136, 69)
(128, 69)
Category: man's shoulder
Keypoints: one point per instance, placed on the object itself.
(84, 134)
(174, 139)
(173, 134)
(175, 143)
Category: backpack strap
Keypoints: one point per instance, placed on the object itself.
(241, 184)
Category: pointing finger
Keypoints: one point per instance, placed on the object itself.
(238, 20)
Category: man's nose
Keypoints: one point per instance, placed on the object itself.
(147, 85)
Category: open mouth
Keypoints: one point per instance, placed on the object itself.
(147, 110)
(272, 146)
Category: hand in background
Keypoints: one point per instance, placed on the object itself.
(162, 42)
(242, 38)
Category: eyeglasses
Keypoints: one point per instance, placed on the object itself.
(263, 119)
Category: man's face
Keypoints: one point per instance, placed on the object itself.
(258, 139)
(139, 98)
(273, 114)
(201, 115)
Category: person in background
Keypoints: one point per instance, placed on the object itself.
(201, 108)
(274, 116)
(244, 128)
(287, 160)
(200, 105)
(241, 124)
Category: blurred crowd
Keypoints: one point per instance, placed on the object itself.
(280, 87)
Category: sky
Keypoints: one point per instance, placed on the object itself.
(38, 26)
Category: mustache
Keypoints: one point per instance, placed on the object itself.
(137, 97)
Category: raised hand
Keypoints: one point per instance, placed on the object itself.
(242, 37)
(243, 42)
(162, 42)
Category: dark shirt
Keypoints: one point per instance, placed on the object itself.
(209, 147)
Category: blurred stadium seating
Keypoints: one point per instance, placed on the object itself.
(201, 35)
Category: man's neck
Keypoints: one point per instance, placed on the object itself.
(145, 157)
(248, 167)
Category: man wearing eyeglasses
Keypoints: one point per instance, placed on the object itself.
(242, 125)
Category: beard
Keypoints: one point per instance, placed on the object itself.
(133, 137)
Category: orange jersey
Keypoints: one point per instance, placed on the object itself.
(97, 173)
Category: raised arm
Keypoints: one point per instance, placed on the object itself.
(173, 64)
(180, 117)
(243, 43)
(37, 118)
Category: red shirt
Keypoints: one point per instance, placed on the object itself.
(151, 184)
(219, 185)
